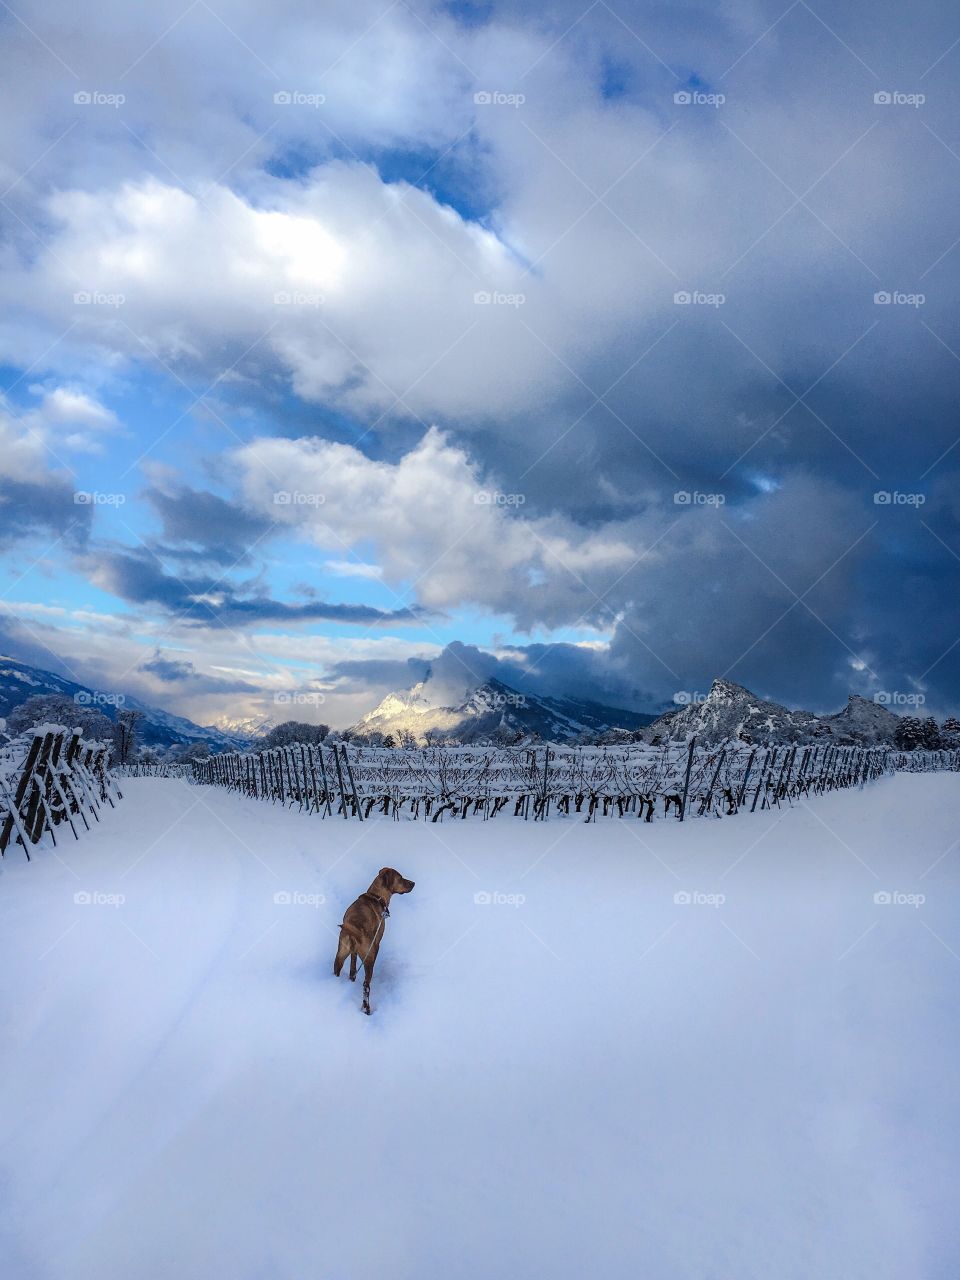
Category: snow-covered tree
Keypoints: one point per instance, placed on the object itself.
(908, 735)
(125, 736)
(59, 708)
(290, 731)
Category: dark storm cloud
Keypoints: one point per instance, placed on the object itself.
(799, 199)
(799, 367)
(382, 673)
(199, 526)
(47, 507)
(182, 672)
(140, 578)
(168, 669)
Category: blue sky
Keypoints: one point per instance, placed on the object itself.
(617, 344)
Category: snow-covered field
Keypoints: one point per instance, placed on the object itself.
(584, 1076)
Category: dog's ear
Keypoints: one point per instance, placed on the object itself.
(385, 874)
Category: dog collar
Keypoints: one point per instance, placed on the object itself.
(385, 910)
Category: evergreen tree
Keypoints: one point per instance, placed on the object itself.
(908, 735)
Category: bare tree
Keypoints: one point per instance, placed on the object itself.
(59, 708)
(125, 736)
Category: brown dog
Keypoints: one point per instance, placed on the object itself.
(363, 925)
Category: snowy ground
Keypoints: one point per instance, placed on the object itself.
(597, 1080)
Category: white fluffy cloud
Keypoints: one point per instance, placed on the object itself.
(437, 527)
(595, 210)
(357, 289)
(679, 588)
(36, 478)
(37, 443)
(78, 421)
(23, 454)
(189, 208)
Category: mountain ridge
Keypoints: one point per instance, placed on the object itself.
(491, 711)
(20, 680)
(731, 711)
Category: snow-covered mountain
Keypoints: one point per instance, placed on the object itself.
(18, 681)
(862, 721)
(730, 711)
(241, 727)
(490, 712)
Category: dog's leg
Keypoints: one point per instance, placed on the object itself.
(368, 964)
(353, 964)
(345, 948)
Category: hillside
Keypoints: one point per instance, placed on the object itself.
(731, 711)
(492, 711)
(18, 681)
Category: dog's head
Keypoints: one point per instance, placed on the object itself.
(393, 881)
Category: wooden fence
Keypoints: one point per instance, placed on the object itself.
(54, 778)
(639, 781)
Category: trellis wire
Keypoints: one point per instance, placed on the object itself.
(434, 783)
